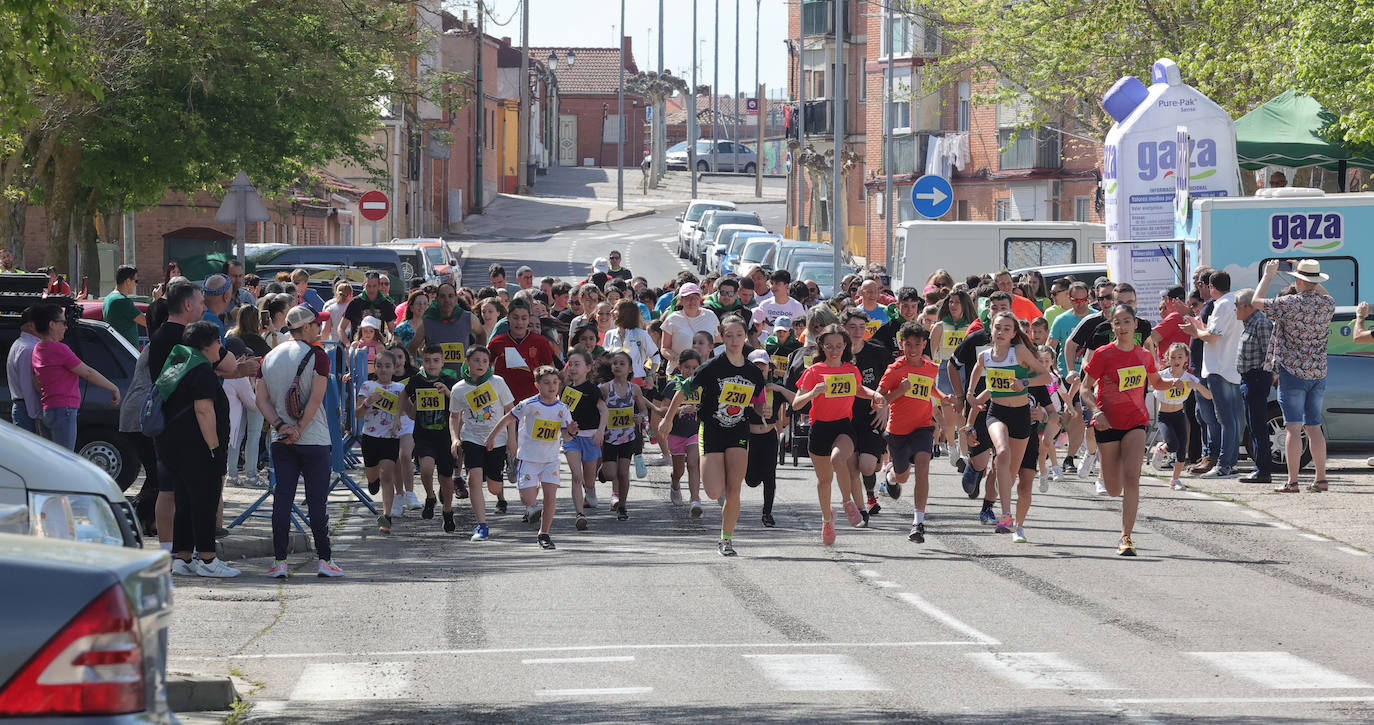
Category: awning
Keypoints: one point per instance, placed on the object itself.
(1286, 131)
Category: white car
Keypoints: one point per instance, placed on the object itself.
(687, 221)
(706, 230)
(718, 246)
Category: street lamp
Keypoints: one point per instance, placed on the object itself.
(553, 59)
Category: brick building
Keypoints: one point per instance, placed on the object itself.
(587, 87)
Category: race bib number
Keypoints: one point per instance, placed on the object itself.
(1131, 378)
(807, 360)
(1172, 395)
(571, 398)
(871, 327)
(693, 398)
(453, 353)
(999, 379)
(779, 364)
(481, 396)
(426, 400)
(736, 394)
(621, 418)
(839, 386)
(952, 339)
(514, 361)
(544, 430)
(386, 402)
(920, 386)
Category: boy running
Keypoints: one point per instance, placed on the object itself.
(908, 385)
(427, 401)
(479, 400)
(544, 422)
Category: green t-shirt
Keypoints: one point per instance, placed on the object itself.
(120, 313)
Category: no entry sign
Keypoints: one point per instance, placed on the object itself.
(374, 206)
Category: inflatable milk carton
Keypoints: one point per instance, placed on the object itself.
(1141, 155)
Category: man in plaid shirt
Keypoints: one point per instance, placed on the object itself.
(1255, 382)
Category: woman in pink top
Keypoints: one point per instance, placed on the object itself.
(56, 370)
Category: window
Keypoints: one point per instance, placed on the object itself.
(1029, 148)
(899, 103)
(965, 104)
(863, 87)
(817, 17)
(1082, 208)
(902, 35)
(1002, 210)
(918, 31)
(1023, 252)
(930, 35)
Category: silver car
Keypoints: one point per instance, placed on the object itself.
(687, 221)
(728, 156)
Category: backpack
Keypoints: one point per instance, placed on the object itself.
(150, 416)
(294, 401)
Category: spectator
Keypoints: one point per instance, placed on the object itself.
(1278, 179)
(371, 302)
(241, 295)
(119, 311)
(680, 326)
(27, 407)
(218, 291)
(1059, 296)
(496, 275)
(1298, 355)
(1172, 307)
(55, 372)
(449, 326)
(1201, 447)
(524, 277)
(56, 285)
(335, 307)
(7, 262)
(310, 298)
(252, 285)
(274, 308)
(193, 447)
(614, 270)
(384, 284)
(1220, 353)
(245, 422)
(413, 324)
(300, 442)
(748, 294)
(1255, 381)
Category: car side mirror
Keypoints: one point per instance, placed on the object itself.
(678, 218)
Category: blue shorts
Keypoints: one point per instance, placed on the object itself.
(1301, 400)
(583, 445)
(942, 381)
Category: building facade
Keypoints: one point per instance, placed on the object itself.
(587, 112)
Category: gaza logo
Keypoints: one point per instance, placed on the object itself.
(1314, 232)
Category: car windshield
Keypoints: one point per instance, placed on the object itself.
(726, 236)
(679, 146)
(743, 238)
(798, 259)
(757, 251)
(694, 214)
(720, 219)
(435, 255)
(822, 274)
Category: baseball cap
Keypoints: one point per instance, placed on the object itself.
(1174, 292)
(601, 264)
(759, 356)
(688, 289)
(299, 317)
(216, 284)
(372, 322)
(782, 323)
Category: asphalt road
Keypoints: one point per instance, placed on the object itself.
(1227, 615)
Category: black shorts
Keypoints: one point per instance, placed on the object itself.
(905, 447)
(1174, 425)
(376, 450)
(1113, 435)
(612, 452)
(492, 462)
(436, 445)
(980, 430)
(1030, 460)
(715, 439)
(1016, 419)
(824, 433)
(867, 440)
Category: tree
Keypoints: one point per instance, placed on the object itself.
(821, 165)
(657, 89)
(1336, 43)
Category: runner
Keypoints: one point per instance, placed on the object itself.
(679, 427)
(872, 358)
(764, 425)
(956, 314)
(1061, 330)
(479, 399)
(1114, 383)
(583, 451)
(980, 441)
(378, 405)
(542, 420)
(908, 385)
(1172, 420)
(626, 409)
(1061, 397)
(832, 383)
(427, 401)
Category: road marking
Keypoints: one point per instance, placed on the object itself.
(331, 681)
(587, 648)
(1256, 514)
(267, 708)
(576, 660)
(594, 691)
(1235, 700)
(886, 584)
(1231, 504)
(1351, 551)
(1280, 525)
(614, 235)
(1041, 671)
(868, 573)
(815, 673)
(945, 618)
(1279, 670)
(1314, 537)
(1196, 494)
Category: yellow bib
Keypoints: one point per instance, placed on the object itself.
(871, 327)
(571, 398)
(386, 401)
(545, 430)
(426, 400)
(735, 394)
(999, 379)
(1131, 378)
(779, 364)
(952, 339)
(481, 396)
(839, 386)
(1172, 395)
(453, 353)
(621, 418)
(920, 386)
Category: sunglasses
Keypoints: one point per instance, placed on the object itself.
(1078, 299)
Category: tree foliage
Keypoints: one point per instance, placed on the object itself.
(1335, 49)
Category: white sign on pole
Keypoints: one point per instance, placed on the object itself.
(1147, 267)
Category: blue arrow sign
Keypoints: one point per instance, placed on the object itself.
(932, 196)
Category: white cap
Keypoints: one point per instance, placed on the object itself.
(759, 356)
(372, 322)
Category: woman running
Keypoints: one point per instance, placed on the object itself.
(1010, 368)
(957, 312)
(583, 451)
(830, 386)
(1114, 383)
(1172, 419)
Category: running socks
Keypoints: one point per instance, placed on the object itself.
(919, 518)
(870, 481)
(725, 537)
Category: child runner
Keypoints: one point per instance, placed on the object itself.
(872, 358)
(427, 394)
(1172, 419)
(379, 405)
(1117, 373)
(679, 429)
(830, 386)
(956, 314)
(626, 406)
(1048, 465)
(479, 399)
(583, 451)
(542, 421)
(763, 436)
(909, 387)
(368, 339)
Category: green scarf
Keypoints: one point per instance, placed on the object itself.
(466, 374)
(180, 361)
(432, 313)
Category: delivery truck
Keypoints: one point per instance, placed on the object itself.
(964, 248)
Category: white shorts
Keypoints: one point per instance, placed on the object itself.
(407, 426)
(532, 473)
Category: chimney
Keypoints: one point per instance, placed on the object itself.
(505, 40)
(629, 52)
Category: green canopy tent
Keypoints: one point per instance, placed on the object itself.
(1286, 131)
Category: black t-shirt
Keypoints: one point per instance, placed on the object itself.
(726, 391)
(872, 361)
(1103, 335)
(256, 345)
(684, 424)
(966, 356)
(584, 411)
(435, 419)
(359, 307)
(160, 345)
(1083, 332)
(182, 437)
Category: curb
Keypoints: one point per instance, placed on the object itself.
(731, 175)
(195, 693)
(241, 544)
(587, 224)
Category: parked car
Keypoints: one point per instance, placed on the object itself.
(713, 219)
(729, 263)
(729, 156)
(822, 273)
(1085, 272)
(86, 633)
(427, 257)
(350, 262)
(720, 242)
(809, 256)
(687, 221)
(760, 252)
(793, 247)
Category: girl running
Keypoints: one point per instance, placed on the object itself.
(830, 386)
(1114, 383)
(378, 404)
(1060, 397)
(479, 399)
(626, 408)
(369, 338)
(583, 450)
(956, 314)
(1172, 419)
(679, 429)
(1010, 368)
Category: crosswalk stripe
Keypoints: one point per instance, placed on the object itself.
(575, 660)
(1279, 670)
(815, 672)
(1041, 671)
(332, 681)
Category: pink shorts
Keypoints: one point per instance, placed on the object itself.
(677, 445)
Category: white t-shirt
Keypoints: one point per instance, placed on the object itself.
(331, 331)
(682, 328)
(279, 369)
(1223, 356)
(637, 342)
(769, 311)
(480, 407)
(541, 429)
(1171, 397)
(377, 420)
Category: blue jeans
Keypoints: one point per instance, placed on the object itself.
(61, 423)
(1208, 427)
(19, 413)
(290, 463)
(1226, 403)
(1301, 400)
(1255, 385)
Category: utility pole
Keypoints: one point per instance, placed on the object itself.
(692, 109)
(734, 158)
(887, 148)
(660, 122)
(478, 44)
(715, 92)
(837, 95)
(523, 145)
(801, 135)
(620, 120)
(763, 109)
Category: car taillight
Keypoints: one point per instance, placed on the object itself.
(94, 666)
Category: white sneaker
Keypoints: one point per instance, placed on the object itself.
(1177, 485)
(215, 568)
(231, 481)
(398, 507)
(696, 509)
(1018, 536)
(1369, 461)
(328, 569)
(182, 568)
(278, 570)
(1086, 469)
(1101, 487)
(1158, 460)
(590, 500)
(1044, 483)
(675, 495)
(412, 502)
(1056, 473)
(615, 501)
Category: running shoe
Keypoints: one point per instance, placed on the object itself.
(828, 533)
(873, 507)
(545, 542)
(1102, 487)
(863, 524)
(1177, 485)
(328, 569)
(1219, 472)
(1124, 547)
(937, 452)
(384, 524)
(411, 501)
(1044, 482)
(696, 509)
(768, 521)
(1056, 473)
(1158, 459)
(214, 568)
(501, 505)
(893, 486)
(428, 511)
(278, 570)
(480, 532)
(1069, 466)
(987, 517)
(450, 525)
(623, 515)
(398, 507)
(460, 488)
(181, 567)
(675, 495)
(581, 522)
(1086, 469)
(589, 501)
(615, 501)
(373, 487)
(511, 473)
(533, 512)
(918, 534)
(852, 513)
(1018, 536)
(958, 464)
(973, 478)
(725, 547)
(1004, 525)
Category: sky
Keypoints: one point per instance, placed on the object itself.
(592, 23)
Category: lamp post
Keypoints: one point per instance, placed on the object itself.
(620, 121)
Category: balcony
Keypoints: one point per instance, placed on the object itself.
(818, 18)
(1031, 148)
(909, 153)
(819, 119)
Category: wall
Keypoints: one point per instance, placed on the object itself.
(587, 108)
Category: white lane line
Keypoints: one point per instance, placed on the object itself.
(615, 235)
(1280, 525)
(587, 648)
(868, 573)
(886, 584)
(575, 660)
(1041, 671)
(331, 681)
(1142, 717)
(1279, 670)
(1256, 514)
(1349, 550)
(815, 673)
(946, 618)
(594, 692)
(1314, 537)
(1235, 700)
(1231, 504)
(1197, 494)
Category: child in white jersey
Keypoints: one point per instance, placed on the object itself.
(378, 404)
(479, 400)
(544, 422)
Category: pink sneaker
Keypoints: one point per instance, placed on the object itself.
(828, 533)
(329, 569)
(852, 512)
(278, 570)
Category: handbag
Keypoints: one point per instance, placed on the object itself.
(294, 400)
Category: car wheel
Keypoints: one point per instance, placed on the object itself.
(1278, 442)
(703, 166)
(112, 451)
(749, 168)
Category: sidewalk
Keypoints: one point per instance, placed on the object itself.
(517, 217)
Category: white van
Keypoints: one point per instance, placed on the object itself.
(964, 248)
